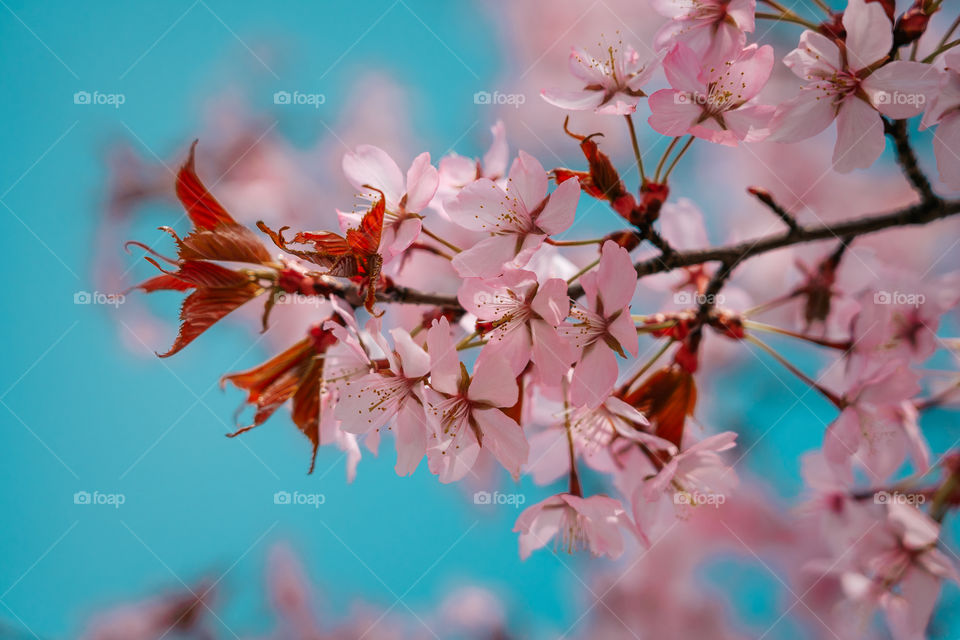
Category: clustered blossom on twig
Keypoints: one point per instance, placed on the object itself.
(532, 354)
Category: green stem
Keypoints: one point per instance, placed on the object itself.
(663, 158)
(636, 147)
(829, 395)
(583, 271)
(676, 158)
(649, 363)
(448, 245)
(941, 49)
(787, 17)
(573, 243)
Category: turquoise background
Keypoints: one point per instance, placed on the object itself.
(81, 412)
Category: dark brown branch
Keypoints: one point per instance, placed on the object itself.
(930, 208)
(918, 214)
(766, 198)
(907, 159)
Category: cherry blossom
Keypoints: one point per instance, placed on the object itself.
(464, 411)
(395, 391)
(944, 112)
(370, 166)
(497, 332)
(603, 328)
(577, 523)
(714, 101)
(693, 477)
(520, 216)
(611, 86)
(715, 29)
(519, 319)
(878, 426)
(854, 87)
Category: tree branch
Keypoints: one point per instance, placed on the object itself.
(930, 208)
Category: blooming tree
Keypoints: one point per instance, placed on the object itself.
(533, 358)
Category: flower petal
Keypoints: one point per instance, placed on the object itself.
(859, 136)
(373, 166)
(869, 33)
(503, 438)
(494, 383)
(561, 208)
(422, 183)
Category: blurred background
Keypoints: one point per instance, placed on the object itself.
(101, 103)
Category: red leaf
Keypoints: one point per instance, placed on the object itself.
(204, 307)
(666, 398)
(201, 206)
(200, 273)
(228, 242)
(165, 282)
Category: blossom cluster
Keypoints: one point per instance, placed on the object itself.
(532, 360)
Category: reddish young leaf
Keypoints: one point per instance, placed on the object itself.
(201, 206)
(355, 255)
(204, 307)
(666, 398)
(295, 374)
(198, 273)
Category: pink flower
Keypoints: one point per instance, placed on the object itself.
(879, 426)
(519, 318)
(944, 111)
(714, 101)
(463, 411)
(604, 327)
(714, 29)
(458, 171)
(372, 401)
(520, 217)
(370, 165)
(852, 87)
(896, 566)
(580, 523)
(695, 476)
(902, 322)
(610, 87)
(596, 431)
